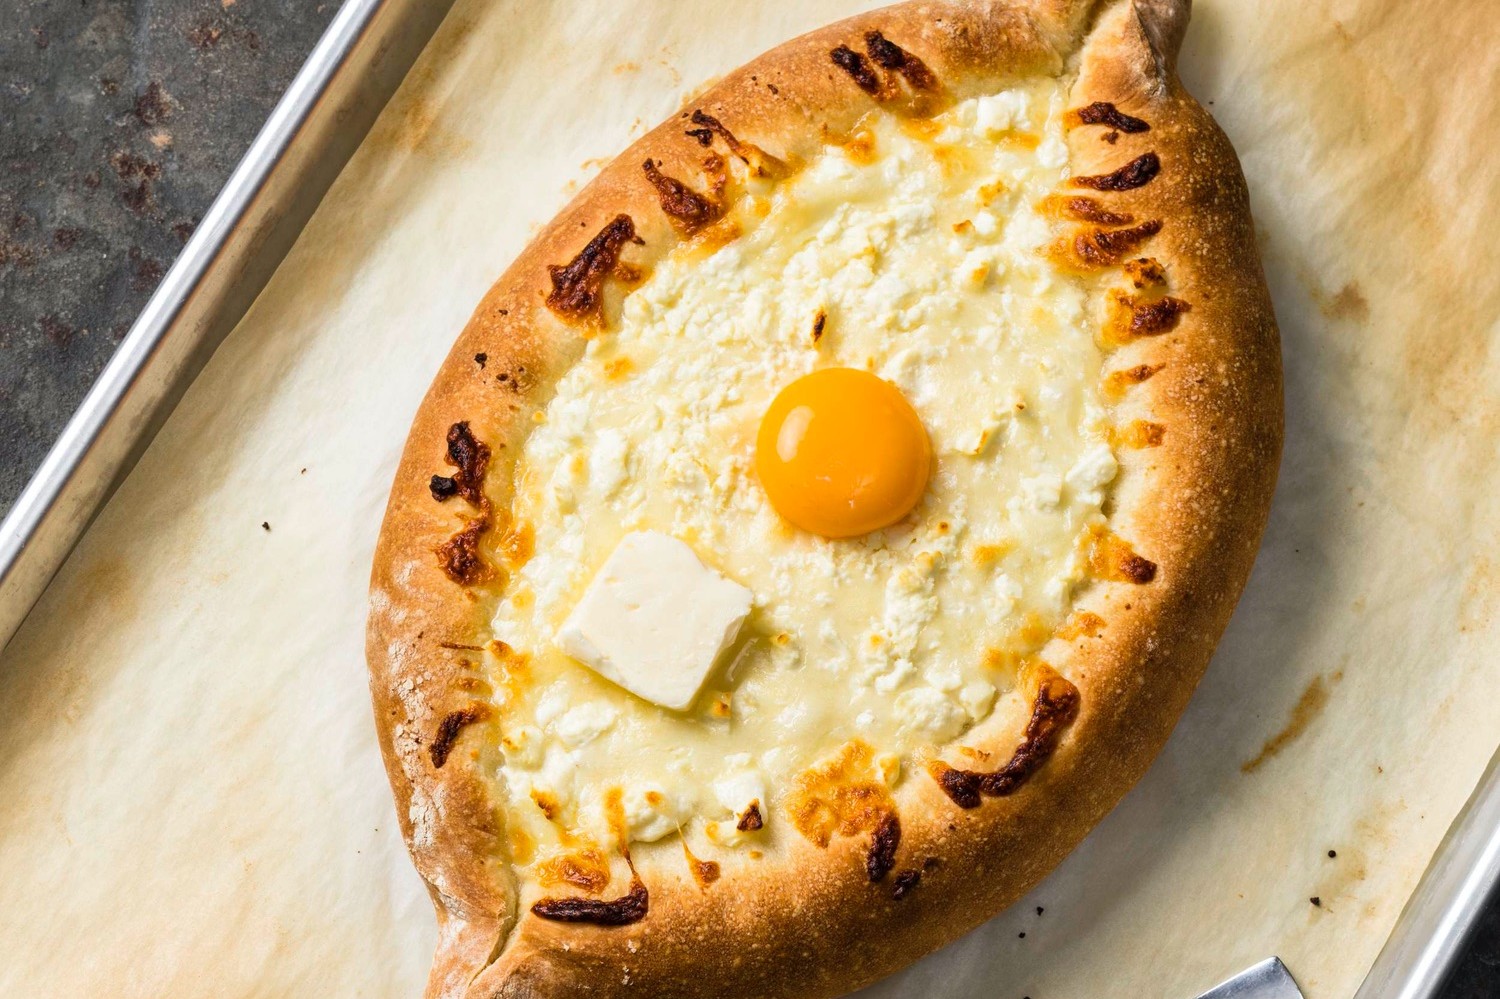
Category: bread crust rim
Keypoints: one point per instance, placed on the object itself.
(1195, 506)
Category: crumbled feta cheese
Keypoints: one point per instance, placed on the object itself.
(1041, 492)
(1094, 469)
(930, 713)
(736, 791)
(650, 813)
(584, 723)
(607, 462)
(977, 697)
(996, 113)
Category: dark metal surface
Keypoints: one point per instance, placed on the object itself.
(119, 122)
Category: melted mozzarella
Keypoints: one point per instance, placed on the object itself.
(924, 259)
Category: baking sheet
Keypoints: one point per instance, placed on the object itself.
(194, 800)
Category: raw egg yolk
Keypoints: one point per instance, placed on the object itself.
(841, 452)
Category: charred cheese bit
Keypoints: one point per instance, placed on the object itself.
(1091, 249)
(1145, 272)
(1105, 113)
(1130, 317)
(1137, 173)
(628, 908)
(578, 286)
(1054, 706)
(759, 162)
(1080, 208)
(448, 729)
(705, 872)
(688, 210)
(460, 555)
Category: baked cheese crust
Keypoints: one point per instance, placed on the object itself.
(1013, 212)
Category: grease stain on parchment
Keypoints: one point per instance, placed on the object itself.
(1308, 707)
(1348, 303)
(1481, 595)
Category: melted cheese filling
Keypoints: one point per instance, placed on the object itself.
(919, 245)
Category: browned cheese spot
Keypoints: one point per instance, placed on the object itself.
(577, 286)
(819, 322)
(858, 68)
(883, 844)
(1139, 434)
(842, 796)
(586, 869)
(617, 369)
(1080, 208)
(614, 813)
(628, 908)
(1094, 248)
(1027, 639)
(760, 162)
(442, 487)
(1117, 383)
(705, 872)
(1105, 113)
(860, 147)
(460, 556)
(1130, 317)
(1053, 709)
(547, 802)
(688, 210)
(751, 820)
(905, 882)
(888, 55)
(1084, 624)
(517, 544)
(1155, 318)
(1144, 272)
(1137, 173)
(522, 846)
(448, 729)
(513, 672)
(1111, 557)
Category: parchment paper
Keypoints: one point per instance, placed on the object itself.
(194, 803)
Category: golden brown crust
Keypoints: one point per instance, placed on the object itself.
(1191, 506)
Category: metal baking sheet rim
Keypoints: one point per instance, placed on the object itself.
(319, 122)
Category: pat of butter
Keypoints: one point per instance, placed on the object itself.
(655, 619)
